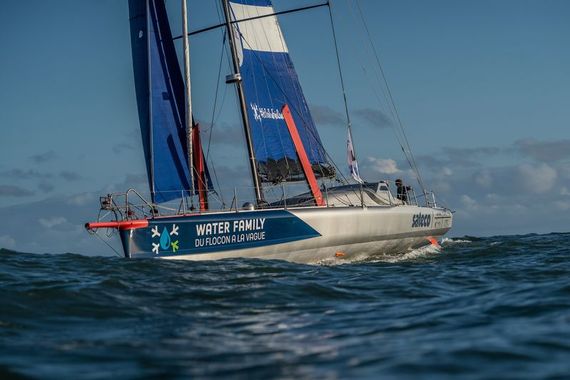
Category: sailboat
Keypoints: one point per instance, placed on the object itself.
(354, 220)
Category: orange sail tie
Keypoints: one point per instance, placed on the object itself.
(305, 164)
(199, 168)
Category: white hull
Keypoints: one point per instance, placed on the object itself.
(351, 233)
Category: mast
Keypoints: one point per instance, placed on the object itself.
(236, 78)
(188, 97)
(150, 123)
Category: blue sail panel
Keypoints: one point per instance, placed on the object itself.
(160, 98)
(168, 130)
(270, 82)
(139, 50)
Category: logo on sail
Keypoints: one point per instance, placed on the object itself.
(260, 113)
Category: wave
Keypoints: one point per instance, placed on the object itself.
(418, 253)
(63, 316)
(451, 241)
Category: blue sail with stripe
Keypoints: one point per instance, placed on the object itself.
(270, 82)
(160, 99)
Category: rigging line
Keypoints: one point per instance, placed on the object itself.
(415, 167)
(394, 126)
(216, 96)
(391, 106)
(398, 132)
(107, 244)
(387, 101)
(349, 124)
(253, 18)
(214, 118)
(224, 52)
(211, 131)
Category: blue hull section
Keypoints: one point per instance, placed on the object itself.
(195, 234)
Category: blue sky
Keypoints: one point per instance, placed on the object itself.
(483, 89)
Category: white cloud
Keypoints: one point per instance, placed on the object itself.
(80, 199)
(446, 171)
(516, 209)
(52, 222)
(562, 205)
(548, 151)
(441, 186)
(537, 178)
(468, 202)
(383, 165)
(564, 170)
(564, 191)
(484, 179)
(7, 241)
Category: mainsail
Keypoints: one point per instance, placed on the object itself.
(160, 99)
(270, 82)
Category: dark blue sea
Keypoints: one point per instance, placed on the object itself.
(496, 307)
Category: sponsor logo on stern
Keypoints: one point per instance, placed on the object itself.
(421, 220)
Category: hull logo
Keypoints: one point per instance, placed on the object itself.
(213, 233)
(236, 231)
(421, 220)
(165, 239)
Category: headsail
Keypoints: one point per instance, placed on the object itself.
(160, 99)
(270, 82)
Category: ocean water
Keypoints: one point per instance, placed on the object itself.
(494, 307)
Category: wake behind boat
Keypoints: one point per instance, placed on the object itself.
(350, 221)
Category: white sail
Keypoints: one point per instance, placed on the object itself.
(351, 157)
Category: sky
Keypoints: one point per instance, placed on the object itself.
(482, 88)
